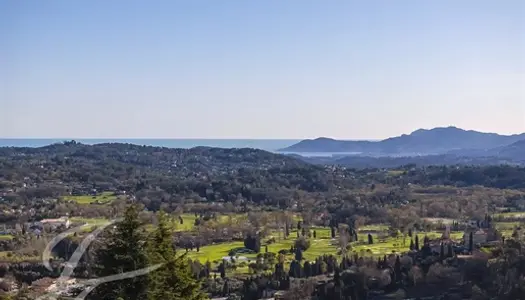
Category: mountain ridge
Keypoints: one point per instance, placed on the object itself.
(435, 141)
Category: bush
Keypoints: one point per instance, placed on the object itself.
(270, 241)
(302, 243)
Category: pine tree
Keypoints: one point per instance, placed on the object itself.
(173, 280)
(416, 246)
(123, 251)
(370, 239)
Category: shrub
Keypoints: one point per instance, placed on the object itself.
(302, 243)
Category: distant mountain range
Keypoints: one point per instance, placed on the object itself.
(442, 145)
(434, 141)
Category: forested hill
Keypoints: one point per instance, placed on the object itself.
(199, 173)
(159, 158)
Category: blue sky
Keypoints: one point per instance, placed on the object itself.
(260, 69)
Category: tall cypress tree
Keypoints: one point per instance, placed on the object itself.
(470, 242)
(172, 281)
(450, 250)
(122, 250)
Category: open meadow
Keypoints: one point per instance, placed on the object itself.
(103, 198)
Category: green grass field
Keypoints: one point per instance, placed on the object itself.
(6, 237)
(323, 244)
(510, 215)
(103, 198)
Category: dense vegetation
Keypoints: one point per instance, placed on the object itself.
(283, 224)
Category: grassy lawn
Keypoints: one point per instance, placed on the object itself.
(395, 172)
(188, 223)
(374, 227)
(6, 237)
(510, 215)
(103, 198)
(321, 245)
(89, 221)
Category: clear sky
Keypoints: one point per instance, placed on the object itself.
(260, 69)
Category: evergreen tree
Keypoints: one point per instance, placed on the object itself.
(298, 254)
(315, 234)
(397, 269)
(416, 246)
(470, 242)
(370, 239)
(173, 280)
(307, 269)
(450, 250)
(412, 245)
(225, 288)
(332, 232)
(123, 251)
(222, 269)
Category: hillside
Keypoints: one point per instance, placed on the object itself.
(420, 142)
(515, 151)
(197, 173)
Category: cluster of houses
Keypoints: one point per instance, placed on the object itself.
(482, 232)
(53, 224)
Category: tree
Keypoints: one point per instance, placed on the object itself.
(222, 269)
(298, 254)
(332, 232)
(370, 239)
(225, 288)
(123, 250)
(416, 246)
(315, 234)
(397, 269)
(302, 243)
(412, 245)
(450, 250)
(470, 242)
(173, 280)
(253, 243)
